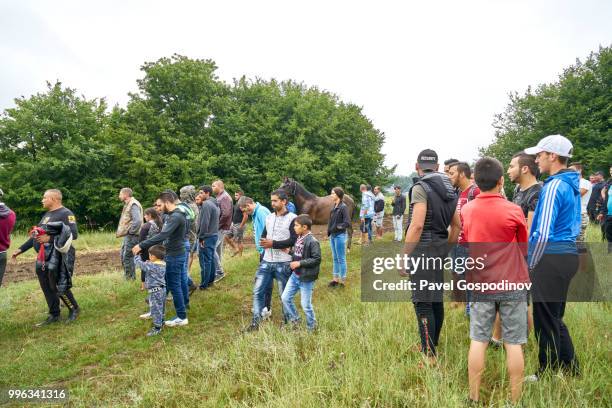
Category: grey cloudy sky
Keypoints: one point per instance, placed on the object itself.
(427, 73)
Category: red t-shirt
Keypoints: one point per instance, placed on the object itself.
(467, 195)
(496, 227)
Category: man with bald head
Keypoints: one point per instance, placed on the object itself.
(43, 244)
(225, 202)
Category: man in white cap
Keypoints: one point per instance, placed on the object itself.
(553, 256)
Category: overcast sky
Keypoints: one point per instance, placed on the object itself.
(429, 74)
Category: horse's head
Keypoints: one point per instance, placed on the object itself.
(288, 185)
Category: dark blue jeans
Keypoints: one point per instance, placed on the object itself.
(174, 277)
(266, 272)
(206, 256)
(186, 278)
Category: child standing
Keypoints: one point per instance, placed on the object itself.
(495, 229)
(306, 257)
(155, 282)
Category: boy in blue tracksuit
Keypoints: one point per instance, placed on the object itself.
(553, 255)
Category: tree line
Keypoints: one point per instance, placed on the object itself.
(183, 126)
(578, 105)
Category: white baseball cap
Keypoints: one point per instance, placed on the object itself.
(553, 144)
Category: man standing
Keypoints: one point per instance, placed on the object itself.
(366, 214)
(224, 200)
(208, 234)
(129, 228)
(379, 211)
(447, 164)
(553, 257)
(7, 223)
(433, 208)
(172, 236)
(523, 172)
(399, 207)
(239, 219)
(605, 212)
(44, 245)
(460, 176)
(279, 237)
(594, 204)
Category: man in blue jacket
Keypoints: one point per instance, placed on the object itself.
(553, 256)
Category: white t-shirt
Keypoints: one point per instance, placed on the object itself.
(584, 200)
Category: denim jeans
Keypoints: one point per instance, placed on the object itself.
(219, 251)
(398, 227)
(174, 277)
(187, 282)
(457, 252)
(367, 227)
(206, 256)
(305, 288)
(265, 273)
(338, 248)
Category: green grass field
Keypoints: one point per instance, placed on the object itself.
(362, 356)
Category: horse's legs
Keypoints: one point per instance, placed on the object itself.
(350, 236)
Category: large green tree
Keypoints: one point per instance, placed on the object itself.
(182, 126)
(578, 106)
(50, 140)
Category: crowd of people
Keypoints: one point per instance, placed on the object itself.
(467, 208)
(459, 206)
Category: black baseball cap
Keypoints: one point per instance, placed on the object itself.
(428, 159)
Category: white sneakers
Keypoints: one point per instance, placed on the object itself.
(265, 313)
(176, 322)
(145, 315)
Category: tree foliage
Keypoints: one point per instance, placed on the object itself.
(183, 126)
(578, 106)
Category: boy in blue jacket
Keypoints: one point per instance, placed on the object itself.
(155, 282)
(553, 256)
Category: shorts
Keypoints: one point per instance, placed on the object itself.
(513, 315)
(378, 218)
(236, 233)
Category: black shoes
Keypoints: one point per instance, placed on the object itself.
(74, 313)
(49, 320)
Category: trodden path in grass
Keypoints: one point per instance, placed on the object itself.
(362, 355)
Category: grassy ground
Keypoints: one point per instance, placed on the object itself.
(362, 356)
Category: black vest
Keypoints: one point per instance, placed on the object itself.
(441, 205)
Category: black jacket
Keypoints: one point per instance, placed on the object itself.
(172, 234)
(311, 260)
(339, 220)
(59, 256)
(399, 204)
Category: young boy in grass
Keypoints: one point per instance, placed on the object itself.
(306, 259)
(497, 234)
(155, 282)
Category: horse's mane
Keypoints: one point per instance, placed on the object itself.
(299, 188)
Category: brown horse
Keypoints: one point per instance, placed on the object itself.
(318, 208)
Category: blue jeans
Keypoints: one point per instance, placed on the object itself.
(461, 251)
(187, 282)
(305, 288)
(264, 275)
(338, 248)
(366, 226)
(174, 277)
(206, 256)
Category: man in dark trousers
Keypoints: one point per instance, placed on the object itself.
(56, 212)
(433, 208)
(553, 255)
(399, 207)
